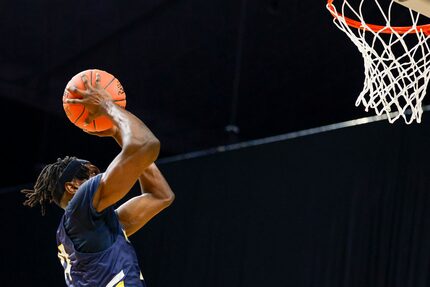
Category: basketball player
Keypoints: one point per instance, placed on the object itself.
(92, 237)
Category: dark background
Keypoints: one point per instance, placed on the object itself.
(341, 208)
(189, 69)
(344, 208)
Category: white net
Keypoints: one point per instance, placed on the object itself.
(396, 61)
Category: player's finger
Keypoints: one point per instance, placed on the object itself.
(98, 80)
(88, 120)
(74, 101)
(89, 132)
(75, 90)
(84, 79)
(95, 133)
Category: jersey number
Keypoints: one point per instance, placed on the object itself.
(65, 261)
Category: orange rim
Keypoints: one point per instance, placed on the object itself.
(377, 28)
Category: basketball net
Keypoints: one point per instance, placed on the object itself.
(396, 60)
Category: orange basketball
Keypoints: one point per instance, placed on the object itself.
(77, 112)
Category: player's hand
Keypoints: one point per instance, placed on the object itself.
(94, 98)
(111, 132)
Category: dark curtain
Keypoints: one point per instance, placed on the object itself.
(347, 207)
(341, 208)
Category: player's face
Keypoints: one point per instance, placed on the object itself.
(94, 170)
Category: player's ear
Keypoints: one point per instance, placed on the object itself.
(70, 188)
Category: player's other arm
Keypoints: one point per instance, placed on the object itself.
(156, 196)
(139, 149)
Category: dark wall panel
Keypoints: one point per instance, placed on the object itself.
(341, 208)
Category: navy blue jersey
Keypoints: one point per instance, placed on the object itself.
(92, 247)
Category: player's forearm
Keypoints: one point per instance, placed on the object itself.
(152, 181)
(156, 196)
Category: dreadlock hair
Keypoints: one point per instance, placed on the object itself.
(47, 182)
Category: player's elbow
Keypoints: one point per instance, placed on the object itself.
(153, 148)
(149, 150)
(168, 199)
(156, 146)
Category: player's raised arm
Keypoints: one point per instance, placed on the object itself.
(156, 194)
(139, 149)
